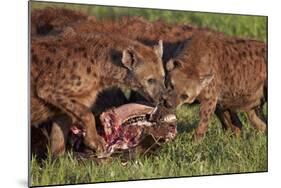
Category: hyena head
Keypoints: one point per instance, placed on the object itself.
(183, 83)
(145, 70)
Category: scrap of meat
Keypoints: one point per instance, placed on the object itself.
(126, 126)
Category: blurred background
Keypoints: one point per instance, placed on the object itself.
(254, 27)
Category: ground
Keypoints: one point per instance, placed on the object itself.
(218, 153)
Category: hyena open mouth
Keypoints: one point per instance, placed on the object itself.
(126, 126)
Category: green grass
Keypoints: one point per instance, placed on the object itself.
(218, 153)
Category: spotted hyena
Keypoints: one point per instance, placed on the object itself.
(174, 36)
(68, 73)
(228, 72)
(57, 21)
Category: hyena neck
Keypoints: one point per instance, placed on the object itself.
(118, 76)
(113, 75)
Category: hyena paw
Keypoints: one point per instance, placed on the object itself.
(198, 136)
(98, 144)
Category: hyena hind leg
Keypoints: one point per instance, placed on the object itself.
(221, 117)
(76, 111)
(255, 121)
(235, 122)
(59, 135)
(229, 120)
(260, 113)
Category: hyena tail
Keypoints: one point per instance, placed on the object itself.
(40, 111)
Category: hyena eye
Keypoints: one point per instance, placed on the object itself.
(151, 81)
(184, 96)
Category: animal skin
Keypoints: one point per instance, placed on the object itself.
(229, 72)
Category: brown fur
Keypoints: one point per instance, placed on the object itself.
(69, 73)
(230, 72)
(53, 20)
(149, 33)
(135, 28)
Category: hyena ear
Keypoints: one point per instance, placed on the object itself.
(68, 32)
(128, 58)
(206, 79)
(159, 48)
(172, 64)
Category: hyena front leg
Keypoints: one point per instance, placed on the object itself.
(77, 111)
(207, 108)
